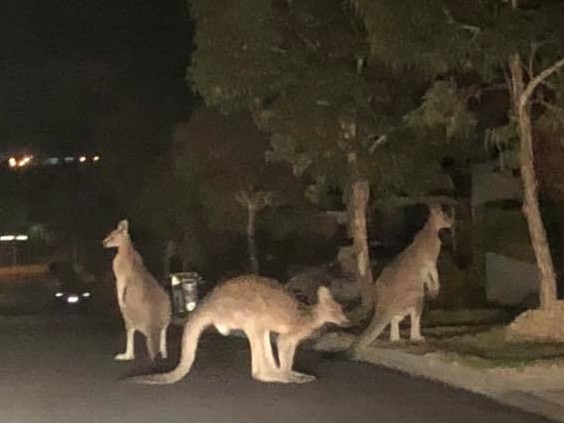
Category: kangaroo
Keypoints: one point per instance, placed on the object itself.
(400, 289)
(143, 303)
(257, 306)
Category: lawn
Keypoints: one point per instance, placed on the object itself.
(476, 337)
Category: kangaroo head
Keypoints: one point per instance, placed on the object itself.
(115, 238)
(438, 218)
(328, 310)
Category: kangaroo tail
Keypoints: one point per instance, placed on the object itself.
(197, 323)
(371, 333)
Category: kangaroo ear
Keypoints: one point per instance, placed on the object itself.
(324, 294)
(123, 225)
(435, 208)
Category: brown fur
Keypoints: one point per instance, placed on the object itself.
(143, 303)
(257, 306)
(400, 289)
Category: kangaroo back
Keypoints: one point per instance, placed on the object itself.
(197, 323)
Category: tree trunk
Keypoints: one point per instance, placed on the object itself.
(251, 239)
(359, 196)
(357, 205)
(531, 208)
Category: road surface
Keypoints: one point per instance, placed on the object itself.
(58, 369)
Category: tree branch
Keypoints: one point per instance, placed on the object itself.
(450, 20)
(381, 139)
(534, 83)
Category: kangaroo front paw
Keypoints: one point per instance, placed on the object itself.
(124, 357)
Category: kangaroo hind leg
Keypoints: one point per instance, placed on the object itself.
(129, 353)
(162, 343)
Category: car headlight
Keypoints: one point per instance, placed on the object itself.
(72, 299)
(59, 294)
(86, 294)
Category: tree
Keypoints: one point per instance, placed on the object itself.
(521, 96)
(522, 83)
(300, 67)
(225, 158)
(510, 38)
(169, 209)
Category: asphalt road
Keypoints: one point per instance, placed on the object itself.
(57, 369)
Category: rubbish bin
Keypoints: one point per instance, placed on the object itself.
(184, 286)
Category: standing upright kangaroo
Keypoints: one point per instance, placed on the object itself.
(400, 289)
(143, 303)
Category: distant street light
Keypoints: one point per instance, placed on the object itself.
(25, 161)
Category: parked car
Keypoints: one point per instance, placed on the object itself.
(72, 295)
(69, 289)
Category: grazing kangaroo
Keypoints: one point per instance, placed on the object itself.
(257, 306)
(400, 289)
(143, 303)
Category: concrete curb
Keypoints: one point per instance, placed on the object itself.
(523, 389)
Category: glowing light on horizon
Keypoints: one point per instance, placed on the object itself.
(13, 237)
(25, 160)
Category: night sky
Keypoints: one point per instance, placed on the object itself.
(71, 69)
